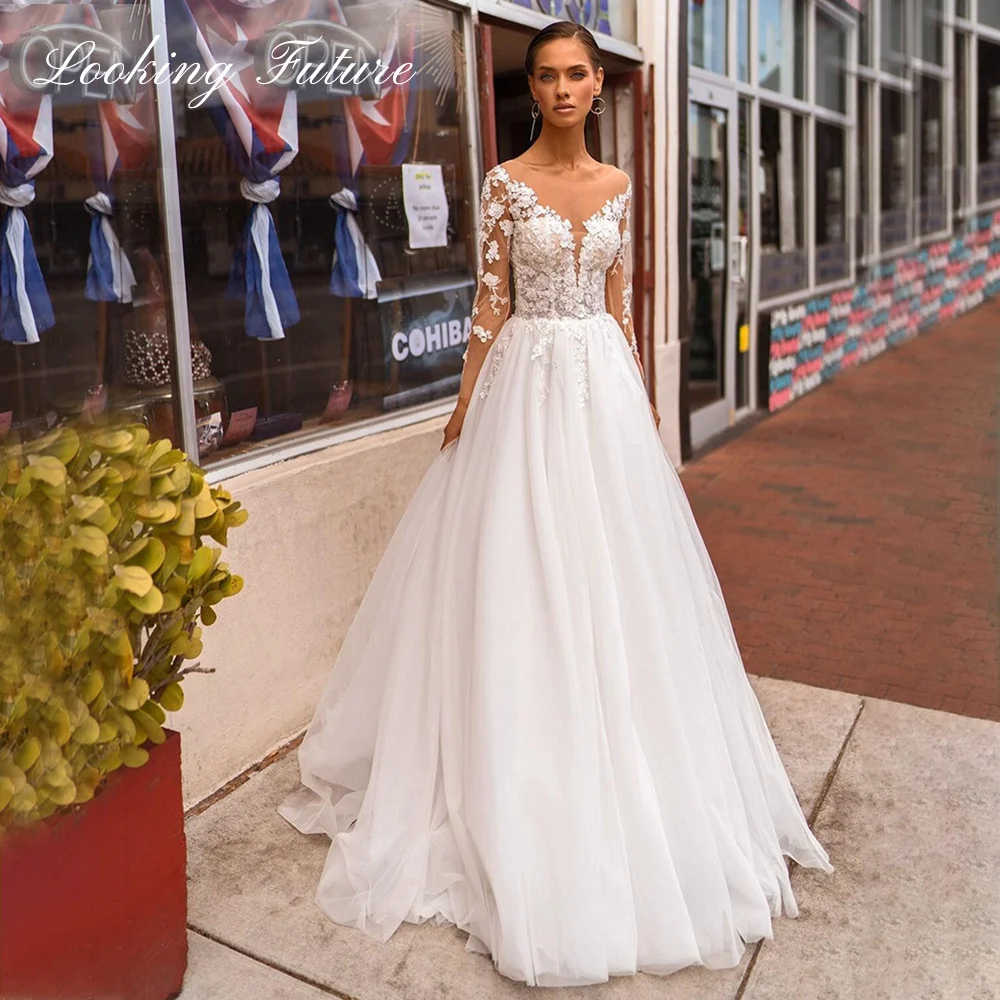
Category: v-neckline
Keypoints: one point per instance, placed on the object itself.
(578, 245)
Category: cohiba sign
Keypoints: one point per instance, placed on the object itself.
(93, 65)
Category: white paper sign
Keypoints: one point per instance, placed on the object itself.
(426, 205)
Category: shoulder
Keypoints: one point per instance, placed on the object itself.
(619, 181)
(499, 174)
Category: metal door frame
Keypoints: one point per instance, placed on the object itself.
(710, 420)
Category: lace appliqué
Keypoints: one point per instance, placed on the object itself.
(541, 354)
(556, 278)
(499, 350)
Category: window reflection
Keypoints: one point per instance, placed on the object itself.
(930, 162)
(895, 156)
(78, 175)
(894, 30)
(784, 265)
(831, 63)
(988, 121)
(780, 40)
(319, 293)
(832, 261)
(707, 34)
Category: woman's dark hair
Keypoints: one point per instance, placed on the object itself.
(562, 29)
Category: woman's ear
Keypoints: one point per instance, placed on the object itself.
(600, 80)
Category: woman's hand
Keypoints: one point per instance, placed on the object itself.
(453, 428)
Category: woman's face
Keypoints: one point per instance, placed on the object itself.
(564, 82)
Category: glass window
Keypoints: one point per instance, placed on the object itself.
(832, 260)
(863, 234)
(784, 264)
(989, 13)
(895, 163)
(780, 36)
(743, 39)
(90, 329)
(707, 34)
(962, 8)
(930, 205)
(864, 38)
(960, 182)
(932, 33)
(319, 294)
(831, 63)
(894, 30)
(988, 124)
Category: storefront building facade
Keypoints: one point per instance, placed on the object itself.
(842, 189)
(275, 273)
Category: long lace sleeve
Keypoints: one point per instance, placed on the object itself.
(618, 287)
(492, 304)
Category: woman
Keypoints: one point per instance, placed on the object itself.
(539, 727)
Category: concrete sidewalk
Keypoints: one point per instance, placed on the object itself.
(905, 799)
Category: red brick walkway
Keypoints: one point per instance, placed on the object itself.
(855, 533)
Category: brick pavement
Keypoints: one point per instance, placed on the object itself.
(855, 533)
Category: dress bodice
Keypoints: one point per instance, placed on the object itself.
(565, 265)
(557, 272)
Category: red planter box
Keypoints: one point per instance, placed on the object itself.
(93, 903)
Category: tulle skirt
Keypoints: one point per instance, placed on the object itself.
(539, 727)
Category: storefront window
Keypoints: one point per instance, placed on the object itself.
(989, 13)
(326, 227)
(863, 233)
(784, 264)
(743, 39)
(895, 163)
(894, 30)
(831, 63)
(864, 38)
(988, 124)
(930, 205)
(932, 32)
(707, 34)
(780, 35)
(962, 8)
(79, 176)
(832, 259)
(960, 182)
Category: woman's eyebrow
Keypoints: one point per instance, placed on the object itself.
(570, 68)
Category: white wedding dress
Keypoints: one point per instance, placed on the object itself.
(539, 727)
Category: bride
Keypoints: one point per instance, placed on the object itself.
(539, 727)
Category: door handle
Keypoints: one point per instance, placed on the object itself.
(740, 244)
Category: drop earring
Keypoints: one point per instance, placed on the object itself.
(535, 112)
(598, 110)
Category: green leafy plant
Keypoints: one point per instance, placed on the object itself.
(106, 578)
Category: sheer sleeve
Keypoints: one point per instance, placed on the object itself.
(492, 304)
(618, 286)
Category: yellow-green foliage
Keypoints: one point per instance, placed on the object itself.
(105, 581)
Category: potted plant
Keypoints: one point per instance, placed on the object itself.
(107, 578)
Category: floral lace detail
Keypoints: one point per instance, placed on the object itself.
(555, 278)
(578, 343)
(542, 354)
(496, 356)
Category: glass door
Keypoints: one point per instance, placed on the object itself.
(719, 259)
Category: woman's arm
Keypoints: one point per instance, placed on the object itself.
(618, 286)
(492, 303)
(618, 289)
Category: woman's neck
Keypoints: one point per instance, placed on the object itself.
(564, 148)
